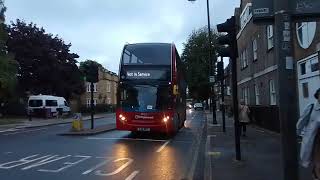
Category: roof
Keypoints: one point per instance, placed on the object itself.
(154, 43)
(44, 96)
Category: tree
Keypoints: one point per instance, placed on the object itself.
(46, 65)
(87, 66)
(195, 57)
(8, 66)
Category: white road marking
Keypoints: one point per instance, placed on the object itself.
(19, 132)
(12, 164)
(100, 173)
(132, 175)
(260, 130)
(68, 165)
(45, 161)
(8, 152)
(96, 167)
(163, 146)
(132, 139)
(9, 130)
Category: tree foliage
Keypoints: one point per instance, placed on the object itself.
(8, 66)
(86, 69)
(46, 65)
(196, 58)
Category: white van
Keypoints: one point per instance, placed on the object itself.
(39, 103)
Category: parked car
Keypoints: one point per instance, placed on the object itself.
(47, 105)
(198, 106)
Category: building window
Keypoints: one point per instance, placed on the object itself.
(305, 33)
(108, 100)
(244, 58)
(303, 68)
(305, 90)
(246, 96)
(108, 87)
(228, 91)
(255, 49)
(272, 90)
(314, 65)
(257, 94)
(246, 15)
(89, 102)
(270, 36)
(94, 87)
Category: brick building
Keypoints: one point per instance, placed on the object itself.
(306, 54)
(104, 90)
(257, 66)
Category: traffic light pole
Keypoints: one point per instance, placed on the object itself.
(91, 104)
(211, 73)
(235, 107)
(222, 98)
(286, 85)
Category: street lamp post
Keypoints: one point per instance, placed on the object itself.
(211, 73)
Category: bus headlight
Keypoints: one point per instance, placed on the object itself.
(122, 118)
(165, 119)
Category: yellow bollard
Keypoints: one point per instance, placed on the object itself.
(77, 123)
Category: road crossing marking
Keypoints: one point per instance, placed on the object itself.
(19, 132)
(163, 146)
(132, 175)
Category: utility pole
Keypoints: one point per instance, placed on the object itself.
(211, 73)
(91, 104)
(286, 85)
(221, 75)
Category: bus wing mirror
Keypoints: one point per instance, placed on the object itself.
(175, 90)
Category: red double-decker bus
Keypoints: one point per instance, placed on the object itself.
(151, 92)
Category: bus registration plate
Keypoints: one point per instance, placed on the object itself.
(143, 129)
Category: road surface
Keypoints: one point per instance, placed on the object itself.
(40, 154)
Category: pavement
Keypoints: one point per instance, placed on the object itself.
(40, 122)
(260, 151)
(39, 153)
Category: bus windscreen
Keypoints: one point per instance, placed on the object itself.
(146, 54)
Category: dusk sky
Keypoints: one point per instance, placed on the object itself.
(98, 29)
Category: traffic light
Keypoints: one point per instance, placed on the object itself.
(92, 73)
(228, 42)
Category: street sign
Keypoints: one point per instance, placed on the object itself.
(211, 79)
(306, 10)
(262, 9)
(305, 7)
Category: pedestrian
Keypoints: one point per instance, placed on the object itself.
(309, 124)
(243, 117)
